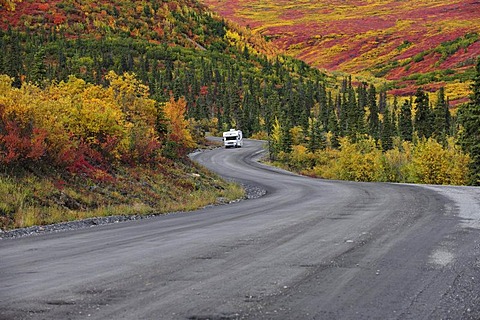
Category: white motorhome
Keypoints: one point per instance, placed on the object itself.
(233, 138)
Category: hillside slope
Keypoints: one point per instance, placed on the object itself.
(411, 43)
(185, 23)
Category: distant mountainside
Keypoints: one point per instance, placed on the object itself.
(429, 43)
(186, 23)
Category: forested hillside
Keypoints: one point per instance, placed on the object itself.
(407, 43)
(99, 97)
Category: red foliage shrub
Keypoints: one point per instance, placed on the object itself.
(204, 90)
(59, 19)
(84, 160)
(142, 152)
(43, 6)
(19, 145)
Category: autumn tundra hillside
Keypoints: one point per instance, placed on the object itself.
(409, 43)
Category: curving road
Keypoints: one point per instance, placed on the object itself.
(308, 249)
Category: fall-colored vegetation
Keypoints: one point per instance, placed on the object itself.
(399, 41)
(66, 148)
(425, 161)
(82, 127)
(8, 4)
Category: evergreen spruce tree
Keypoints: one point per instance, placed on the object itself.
(332, 124)
(469, 121)
(286, 141)
(316, 136)
(395, 115)
(405, 125)
(272, 103)
(442, 118)
(387, 130)
(312, 136)
(12, 60)
(342, 114)
(373, 120)
(353, 124)
(423, 115)
(38, 69)
(322, 102)
(382, 101)
(362, 96)
(235, 101)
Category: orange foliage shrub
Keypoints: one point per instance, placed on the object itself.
(178, 132)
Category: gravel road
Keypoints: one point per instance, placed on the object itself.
(307, 249)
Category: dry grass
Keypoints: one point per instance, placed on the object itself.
(38, 198)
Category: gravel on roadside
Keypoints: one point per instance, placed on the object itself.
(251, 192)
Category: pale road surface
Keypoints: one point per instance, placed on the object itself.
(308, 249)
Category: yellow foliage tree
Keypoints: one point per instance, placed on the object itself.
(275, 139)
(359, 161)
(434, 164)
(133, 97)
(178, 132)
(9, 4)
(396, 160)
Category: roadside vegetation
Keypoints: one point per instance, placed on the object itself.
(39, 196)
(424, 161)
(75, 150)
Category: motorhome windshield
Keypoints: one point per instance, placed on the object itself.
(231, 138)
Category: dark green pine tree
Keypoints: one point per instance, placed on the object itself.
(387, 129)
(395, 114)
(423, 115)
(177, 86)
(62, 71)
(357, 113)
(373, 120)
(312, 142)
(248, 106)
(12, 57)
(405, 125)
(469, 121)
(316, 136)
(332, 123)
(321, 97)
(286, 139)
(235, 100)
(271, 103)
(354, 125)
(308, 103)
(2, 53)
(382, 101)
(342, 114)
(442, 118)
(169, 69)
(38, 69)
(362, 96)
